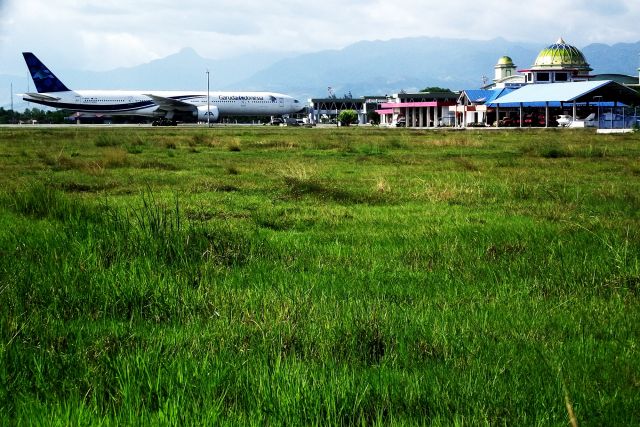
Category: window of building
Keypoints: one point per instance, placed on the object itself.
(542, 77)
(562, 77)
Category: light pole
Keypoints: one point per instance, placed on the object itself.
(12, 113)
(598, 98)
(208, 103)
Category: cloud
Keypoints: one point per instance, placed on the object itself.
(603, 7)
(104, 34)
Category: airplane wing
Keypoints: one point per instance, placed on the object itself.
(170, 104)
(41, 97)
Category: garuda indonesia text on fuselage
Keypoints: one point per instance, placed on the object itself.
(171, 105)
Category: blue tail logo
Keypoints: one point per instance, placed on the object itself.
(43, 78)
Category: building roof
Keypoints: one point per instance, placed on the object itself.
(486, 96)
(427, 96)
(505, 61)
(618, 78)
(598, 91)
(561, 55)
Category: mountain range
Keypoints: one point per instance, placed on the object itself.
(363, 68)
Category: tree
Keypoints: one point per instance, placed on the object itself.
(347, 117)
(373, 117)
(435, 89)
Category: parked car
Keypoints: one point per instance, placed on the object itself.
(402, 122)
(510, 121)
(533, 119)
(276, 121)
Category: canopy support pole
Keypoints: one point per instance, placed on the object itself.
(546, 114)
(521, 114)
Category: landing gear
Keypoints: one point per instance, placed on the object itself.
(164, 122)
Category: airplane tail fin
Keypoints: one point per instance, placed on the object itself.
(43, 78)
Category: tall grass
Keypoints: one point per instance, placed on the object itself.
(351, 277)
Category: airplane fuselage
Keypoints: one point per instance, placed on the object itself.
(164, 105)
(110, 102)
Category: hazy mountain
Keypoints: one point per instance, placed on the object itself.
(621, 58)
(364, 68)
(380, 67)
(183, 70)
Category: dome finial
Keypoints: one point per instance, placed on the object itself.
(561, 41)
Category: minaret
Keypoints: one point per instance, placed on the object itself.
(504, 68)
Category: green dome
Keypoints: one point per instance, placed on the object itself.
(505, 60)
(561, 56)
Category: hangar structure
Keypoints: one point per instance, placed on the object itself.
(559, 83)
(598, 97)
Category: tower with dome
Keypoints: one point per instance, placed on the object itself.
(557, 63)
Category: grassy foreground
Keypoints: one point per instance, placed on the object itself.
(319, 277)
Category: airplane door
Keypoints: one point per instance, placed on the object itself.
(243, 103)
(281, 102)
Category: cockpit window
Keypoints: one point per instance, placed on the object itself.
(295, 101)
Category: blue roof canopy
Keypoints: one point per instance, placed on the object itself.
(486, 96)
(579, 92)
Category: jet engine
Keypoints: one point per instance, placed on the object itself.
(211, 112)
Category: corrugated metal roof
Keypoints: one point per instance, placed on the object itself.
(485, 96)
(552, 92)
(478, 96)
(497, 93)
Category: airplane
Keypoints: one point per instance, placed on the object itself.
(166, 107)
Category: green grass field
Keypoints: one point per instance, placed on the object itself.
(251, 276)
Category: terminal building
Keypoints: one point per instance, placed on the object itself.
(424, 109)
(560, 83)
(555, 85)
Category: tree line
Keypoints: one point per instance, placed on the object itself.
(31, 114)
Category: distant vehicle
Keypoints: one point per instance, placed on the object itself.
(276, 121)
(290, 121)
(588, 121)
(564, 120)
(534, 119)
(402, 122)
(510, 121)
(165, 106)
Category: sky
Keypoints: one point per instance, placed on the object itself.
(106, 34)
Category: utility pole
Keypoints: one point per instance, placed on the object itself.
(208, 103)
(12, 112)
